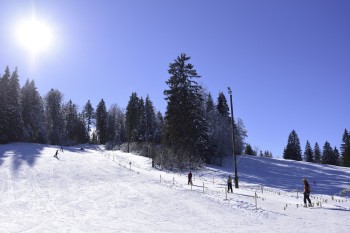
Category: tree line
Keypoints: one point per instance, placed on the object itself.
(194, 129)
(328, 155)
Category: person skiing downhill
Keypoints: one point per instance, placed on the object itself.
(229, 184)
(56, 154)
(307, 193)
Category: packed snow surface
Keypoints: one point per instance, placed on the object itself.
(94, 190)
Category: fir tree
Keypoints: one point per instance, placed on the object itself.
(132, 118)
(336, 157)
(308, 153)
(327, 154)
(101, 122)
(89, 115)
(248, 150)
(186, 128)
(14, 107)
(4, 106)
(54, 116)
(34, 128)
(317, 153)
(293, 150)
(345, 149)
(150, 120)
(222, 106)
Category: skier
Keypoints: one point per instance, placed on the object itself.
(306, 193)
(56, 154)
(190, 178)
(229, 184)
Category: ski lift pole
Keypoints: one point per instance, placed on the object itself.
(233, 140)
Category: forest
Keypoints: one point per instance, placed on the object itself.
(194, 130)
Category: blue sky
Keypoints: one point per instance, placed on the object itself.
(287, 62)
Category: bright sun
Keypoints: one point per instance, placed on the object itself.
(34, 35)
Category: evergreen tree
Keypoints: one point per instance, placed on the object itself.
(336, 157)
(34, 128)
(112, 123)
(308, 153)
(267, 154)
(14, 107)
(327, 154)
(158, 135)
(345, 149)
(222, 106)
(248, 150)
(223, 127)
(89, 115)
(293, 150)
(101, 122)
(317, 153)
(211, 116)
(186, 128)
(4, 106)
(54, 116)
(240, 135)
(142, 124)
(132, 118)
(150, 120)
(72, 124)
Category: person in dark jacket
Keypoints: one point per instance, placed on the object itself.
(190, 178)
(56, 154)
(229, 184)
(307, 193)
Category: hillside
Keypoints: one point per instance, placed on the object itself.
(93, 190)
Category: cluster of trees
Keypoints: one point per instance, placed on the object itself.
(249, 151)
(194, 129)
(328, 155)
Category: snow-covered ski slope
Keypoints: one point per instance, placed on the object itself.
(93, 190)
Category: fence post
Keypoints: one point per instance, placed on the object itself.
(130, 165)
(160, 178)
(256, 201)
(173, 180)
(226, 192)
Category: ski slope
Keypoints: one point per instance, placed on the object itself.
(93, 190)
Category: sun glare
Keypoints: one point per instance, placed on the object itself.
(34, 35)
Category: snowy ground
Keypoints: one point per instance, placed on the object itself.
(109, 191)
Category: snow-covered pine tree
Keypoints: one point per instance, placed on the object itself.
(4, 106)
(34, 128)
(317, 153)
(72, 123)
(54, 116)
(158, 134)
(345, 149)
(89, 115)
(112, 118)
(223, 128)
(14, 108)
(185, 126)
(308, 153)
(101, 122)
(142, 125)
(293, 150)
